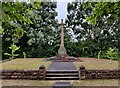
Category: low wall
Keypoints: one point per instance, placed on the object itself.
(99, 74)
(41, 72)
(24, 74)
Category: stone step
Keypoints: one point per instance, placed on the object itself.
(62, 78)
(63, 74)
(61, 71)
(62, 61)
(59, 74)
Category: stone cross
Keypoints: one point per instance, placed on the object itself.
(62, 50)
(62, 32)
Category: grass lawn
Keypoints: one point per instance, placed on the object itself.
(28, 63)
(34, 63)
(92, 63)
(97, 82)
(105, 82)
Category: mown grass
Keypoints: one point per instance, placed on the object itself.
(34, 63)
(98, 82)
(28, 63)
(26, 83)
(92, 63)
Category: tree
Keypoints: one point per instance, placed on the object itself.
(42, 32)
(14, 16)
(105, 9)
(106, 16)
(83, 31)
(92, 38)
(76, 19)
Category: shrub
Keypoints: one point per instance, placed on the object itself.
(112, 53)
(13, 48)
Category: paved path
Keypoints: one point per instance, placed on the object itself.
(62, 66)
(62, 85)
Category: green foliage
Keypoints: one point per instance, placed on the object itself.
(12, 11)
(13, 48)
(103, 54)
(15, 17)
(109, 9)
(84, 31)
(14, 14)
(43, 31)
(1, 30)
(36, 5)
(33, 27)
(18, 32)
(112, 53)
(24, 54)
(99, 53)
(98, 36)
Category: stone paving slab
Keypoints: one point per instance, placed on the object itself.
(58, 66)
(62, 85)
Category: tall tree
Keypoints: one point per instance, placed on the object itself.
(91, 38)
(76, 19)
(107, 16)
(14, 16)
(43, 31)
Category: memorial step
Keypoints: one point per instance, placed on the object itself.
(61, 78)
(61, 71)
(62, 75)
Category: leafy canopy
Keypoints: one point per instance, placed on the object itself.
(111, 10)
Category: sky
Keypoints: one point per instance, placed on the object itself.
(62, 9)
(62, 12)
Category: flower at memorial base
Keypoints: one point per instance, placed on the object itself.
(77, 59)
(64, 60)
(65, 57)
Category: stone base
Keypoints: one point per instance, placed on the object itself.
(63, 59)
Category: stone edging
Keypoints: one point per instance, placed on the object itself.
(99, 74)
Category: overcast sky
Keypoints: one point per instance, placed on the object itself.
(62, 9)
